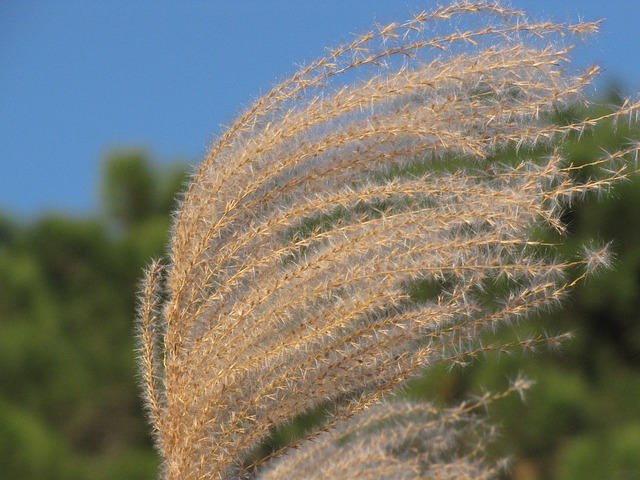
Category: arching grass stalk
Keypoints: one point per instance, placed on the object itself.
(298, 243)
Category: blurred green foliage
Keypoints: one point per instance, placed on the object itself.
(69, 405)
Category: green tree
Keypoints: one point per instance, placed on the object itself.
(68, 395)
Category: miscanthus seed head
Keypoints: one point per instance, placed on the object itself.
(352, 228)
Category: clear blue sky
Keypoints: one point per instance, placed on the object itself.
(78, 78)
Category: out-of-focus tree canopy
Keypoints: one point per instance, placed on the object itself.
(69, 405)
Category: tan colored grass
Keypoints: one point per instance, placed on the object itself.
(401, 440)
(294, 250)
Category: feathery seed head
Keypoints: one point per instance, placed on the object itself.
(344, 232)
(597, 258)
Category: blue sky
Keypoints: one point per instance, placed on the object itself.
(79, 78)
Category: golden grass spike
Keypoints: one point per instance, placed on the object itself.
(344, 233)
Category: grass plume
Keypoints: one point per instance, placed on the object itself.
(297, 246)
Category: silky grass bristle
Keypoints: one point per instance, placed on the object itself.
(298, 244)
